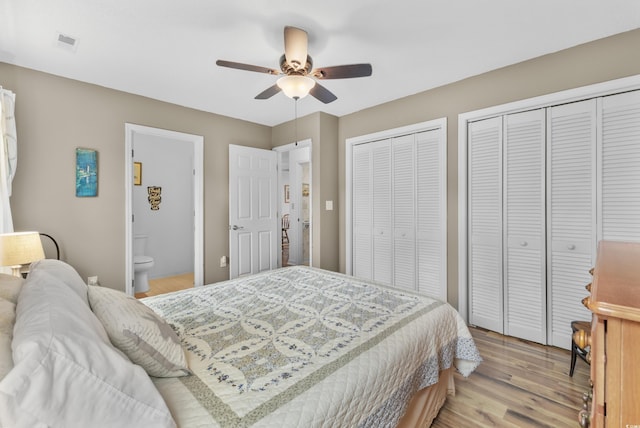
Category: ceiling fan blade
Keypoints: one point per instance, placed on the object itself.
(268, 93)
(247, 67)
(343, 71)
(322, 93)
(295, 47)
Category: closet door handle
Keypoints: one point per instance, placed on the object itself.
(524, 243)
(571, 247)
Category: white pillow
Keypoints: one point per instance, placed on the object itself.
(64, 272)
(139, 332)
(67, 373)
(7, 320)
(10, 287)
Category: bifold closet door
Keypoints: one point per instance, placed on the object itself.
(404, 212)
(485, 224)
(431, 233)
(571, 141)
(619, 169)
(372, 225)
(524, 226)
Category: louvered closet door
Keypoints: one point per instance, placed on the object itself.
(381, 210)
(524, 225)
(404, 242)
(485, 223)
(571, 214)
(431, 233)
(620, 168)
(362, 221)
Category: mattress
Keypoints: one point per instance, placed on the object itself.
(304, 347)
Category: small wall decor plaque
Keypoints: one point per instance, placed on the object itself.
(86, 172)
(155, 197)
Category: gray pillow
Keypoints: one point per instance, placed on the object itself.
(139, 332)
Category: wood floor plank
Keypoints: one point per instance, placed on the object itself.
(519, 384)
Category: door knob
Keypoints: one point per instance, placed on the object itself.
(236, 227)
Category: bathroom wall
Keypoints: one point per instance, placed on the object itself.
(169, 229)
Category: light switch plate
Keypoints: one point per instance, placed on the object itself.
(328, 205)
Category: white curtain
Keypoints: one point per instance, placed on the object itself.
(8, 156)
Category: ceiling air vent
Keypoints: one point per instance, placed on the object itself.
(67, 42)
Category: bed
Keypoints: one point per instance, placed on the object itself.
(292, 347)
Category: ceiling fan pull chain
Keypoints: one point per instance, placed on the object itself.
(295, 121)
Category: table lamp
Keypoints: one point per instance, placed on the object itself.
(20, 248)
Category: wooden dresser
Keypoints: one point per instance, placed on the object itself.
(615, 336)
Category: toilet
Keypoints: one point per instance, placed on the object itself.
(141, 264)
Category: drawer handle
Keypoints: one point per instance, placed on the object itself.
(571, 247)
(591, 271)
(586, 302)
(588, 287)
(524, 243)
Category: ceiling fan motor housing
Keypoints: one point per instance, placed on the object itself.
(290, 70)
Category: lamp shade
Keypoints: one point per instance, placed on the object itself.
(20, 248)
(296, 86)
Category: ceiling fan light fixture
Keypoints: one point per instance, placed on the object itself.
(296, 86)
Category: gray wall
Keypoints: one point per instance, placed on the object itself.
(606, 59)
(55, 115)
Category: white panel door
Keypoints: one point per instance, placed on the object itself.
(485, 223)
(362, 220)
(571, 214)
(404, 243)
(524, 225)
(381, 211)
(619, 169)
(253, 217)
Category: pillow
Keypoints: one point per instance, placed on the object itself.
(67, 373)
(7, 319)
(10, 287)
(139, 332)
(64, 272)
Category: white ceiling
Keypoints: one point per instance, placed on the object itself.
(166, 49)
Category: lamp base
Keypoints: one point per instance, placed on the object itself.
(16, 270)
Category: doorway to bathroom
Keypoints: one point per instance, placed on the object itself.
(164, 203)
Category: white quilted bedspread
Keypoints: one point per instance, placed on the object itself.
(303, 347)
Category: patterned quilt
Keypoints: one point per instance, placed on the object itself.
(304, 347)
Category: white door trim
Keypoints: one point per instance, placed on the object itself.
(570, 95)
(197, 142)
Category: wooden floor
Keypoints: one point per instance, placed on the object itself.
(519, 383)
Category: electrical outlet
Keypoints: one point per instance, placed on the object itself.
(223, 261)
(92, 280)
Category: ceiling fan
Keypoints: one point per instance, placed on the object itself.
(299, 76)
